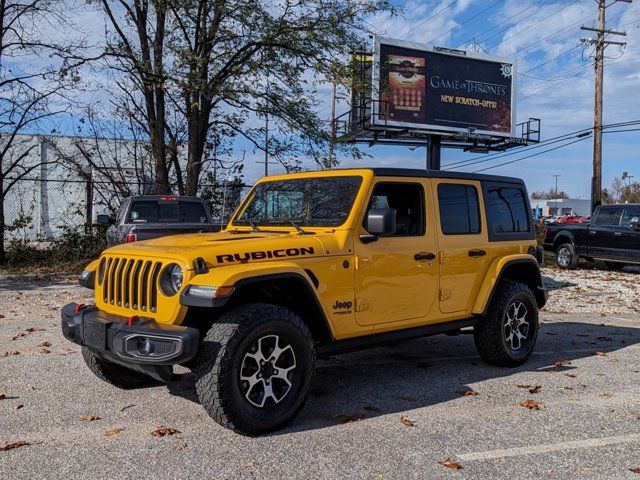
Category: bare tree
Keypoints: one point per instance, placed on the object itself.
(221, 63)
(28, 90)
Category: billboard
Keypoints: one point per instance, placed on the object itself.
(440, 89)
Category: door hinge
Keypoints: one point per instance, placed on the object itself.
(356, 262)
(445, 294)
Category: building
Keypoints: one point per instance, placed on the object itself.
(560, 207)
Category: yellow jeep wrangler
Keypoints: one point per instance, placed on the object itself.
(314, 264)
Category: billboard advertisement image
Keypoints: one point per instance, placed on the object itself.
(440, 89)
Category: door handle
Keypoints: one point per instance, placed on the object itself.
(477, 253)
(424, 256)
(617, 234)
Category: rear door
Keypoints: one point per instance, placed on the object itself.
(463, 245)
(629, 239)
(604, 233)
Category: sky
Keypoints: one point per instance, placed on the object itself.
(555, 82)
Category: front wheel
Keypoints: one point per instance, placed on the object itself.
(255, 367)
(566, 257)
(507, 334)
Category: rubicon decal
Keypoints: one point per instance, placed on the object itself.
(264, 254)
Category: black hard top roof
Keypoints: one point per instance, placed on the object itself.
(411, 172)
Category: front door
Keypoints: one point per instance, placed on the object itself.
(464, 244)
(396, 275)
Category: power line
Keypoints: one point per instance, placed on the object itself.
(546, 18)
(467, 20)
(532, 155)
(431, 17)
(497, 25)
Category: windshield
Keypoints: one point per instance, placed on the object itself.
(317, 202)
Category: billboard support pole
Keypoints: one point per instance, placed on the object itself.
(433, 152)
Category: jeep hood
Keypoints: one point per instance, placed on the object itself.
(227, 247)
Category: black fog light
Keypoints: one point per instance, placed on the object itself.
(144, 346)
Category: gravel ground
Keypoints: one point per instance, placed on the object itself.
(590, 290)
(587, 425)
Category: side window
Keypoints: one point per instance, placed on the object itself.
(459, 212)
(507, 210)
(628, 213)
(608, 216)
(408, 201)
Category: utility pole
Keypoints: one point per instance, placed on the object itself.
(600, 44)
(555, 194)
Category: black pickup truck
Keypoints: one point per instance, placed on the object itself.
(612, 236)
(152, 216)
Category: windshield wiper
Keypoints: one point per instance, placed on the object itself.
(253, 225)
(297, 227)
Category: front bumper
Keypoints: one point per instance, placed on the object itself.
(137, 343)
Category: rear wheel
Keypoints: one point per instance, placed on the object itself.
(255, 367)
(507, 334)
(566, 256)
(114, 374)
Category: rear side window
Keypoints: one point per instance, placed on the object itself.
(507, 210)
(608, 216)
(630, 212)
(459, 211)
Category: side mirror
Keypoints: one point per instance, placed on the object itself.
(104, 219)
(635, 223)
(379, 221)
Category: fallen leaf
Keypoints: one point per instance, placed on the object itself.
(18, 335)
(11, 352)
(2, 316)
(469, 393)
(45, 350)
(18, 407)
(9, 446)
(44, 344)
(562, 363)
(33, 330)
(113, 432)
(635, 470)
(570, 375)
(450, 464)
(181, 445)
(164, 432)
(2, 396)
(524, 386)
(531, 405)
(89, 418)
(601, 354)
(406, 422)
(535, 389)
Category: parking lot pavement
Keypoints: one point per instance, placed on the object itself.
(587, 425)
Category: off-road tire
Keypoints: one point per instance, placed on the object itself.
(114, 374)
(616, 266)
(220, 360)
(489, 335)
(566, 257)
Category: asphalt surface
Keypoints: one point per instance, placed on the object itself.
(587, 425)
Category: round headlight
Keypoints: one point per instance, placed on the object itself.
(171, 280)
